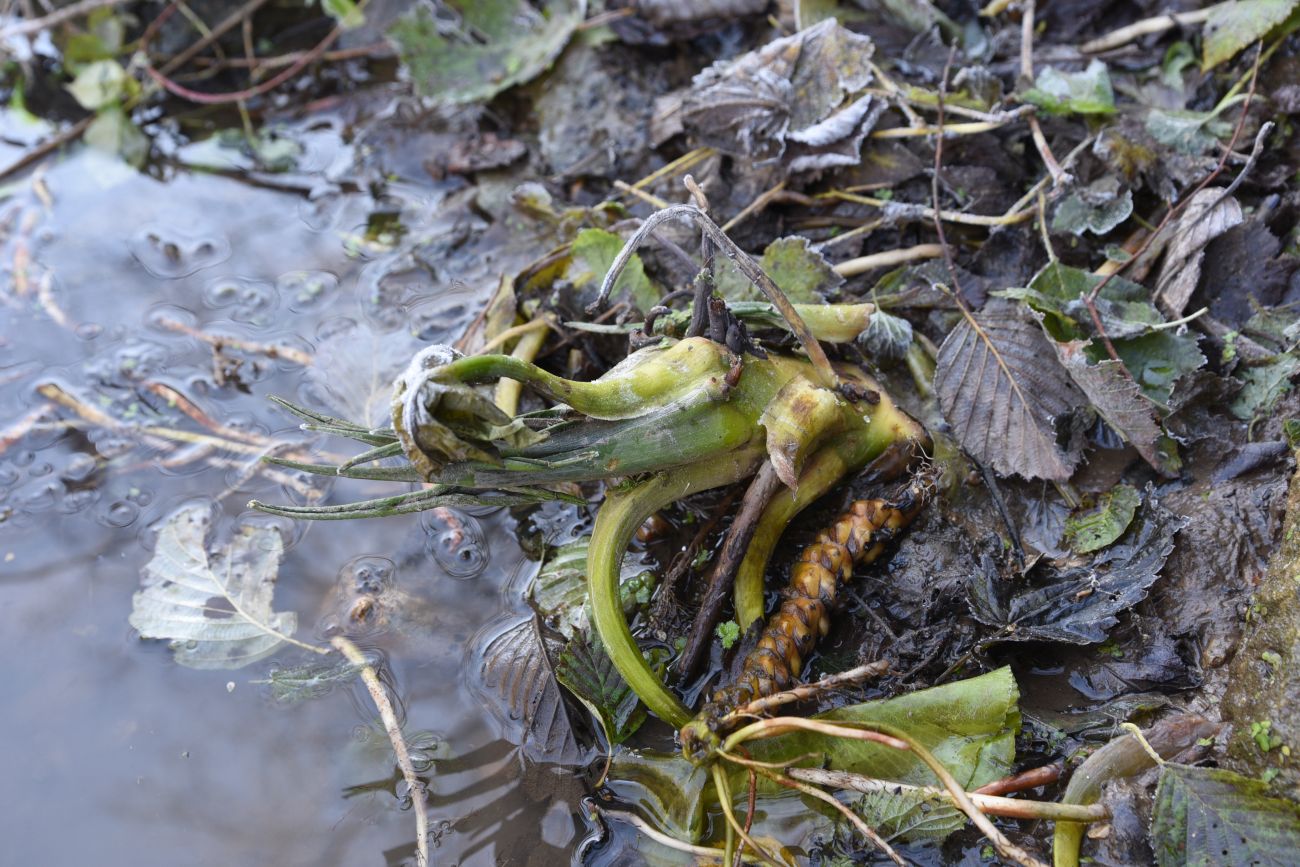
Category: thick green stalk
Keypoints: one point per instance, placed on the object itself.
(644, 381)
(620, 515)
(847, 453)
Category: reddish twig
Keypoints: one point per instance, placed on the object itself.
(1030, 779)
(1090, 299)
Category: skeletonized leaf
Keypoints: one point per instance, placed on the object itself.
(1237, 23)
(1005, 396)
(513, 675)
(1210, 816)
(1078, 605)
(214, 608)
(1207, 216)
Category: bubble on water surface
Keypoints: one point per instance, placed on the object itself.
(245, 300)
(457, 542)
(167, 253)
(303, 291)
(118, 514)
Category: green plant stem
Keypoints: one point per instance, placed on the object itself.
(620, 515)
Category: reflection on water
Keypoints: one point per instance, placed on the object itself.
(140, 320)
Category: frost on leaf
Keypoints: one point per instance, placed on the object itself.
(1079, 604)
(1008, 404)
(793, 99)
(214, 607)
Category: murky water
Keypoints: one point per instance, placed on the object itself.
(115, 754)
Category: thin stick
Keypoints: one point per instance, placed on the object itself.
(1145, 27)
(288, 353)
(724, 800)
(1030, 779)
(747, 266)
(229, 22)
(1059, 175)
(385, 708)
(951, 129)
(806, 691)
(659, 836)
(648, 198)
(857, 821)
(760, 202)
(887, 259)
(681, 164)
(906, 209)
(191, 409)
(54, 19)
(20, 428)
(762, 489)
(784, 724)
(45, 148)
(511, 333)
(991, 805)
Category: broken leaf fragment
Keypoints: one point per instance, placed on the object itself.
(214, 607)
(796, 98)
(1237, 23)
(1086, 92)
(471, 51)
(586, 670)
(803, 273)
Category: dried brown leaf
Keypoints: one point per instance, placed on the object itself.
(1207, 216)
(1005, 394)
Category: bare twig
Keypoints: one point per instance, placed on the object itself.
(45, 148)
(217, 342)
(990, 805)
(887, 259)
(229, 22)
(830, 683)
(762, 489)
(1030, 779)
(385, 708)
(54, 19)
(1145, 27)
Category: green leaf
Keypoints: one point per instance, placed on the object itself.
(1210, 816)
(1086, 92)
(1157, 360)
(1057, 292)
(1097, 208)
(728, 633)
(100, 84)
(1094, 528)
(214, 608)
(345, 12)
(1188, 132)
(910, 815)
(802, 273)
(586, 670)
(1263, 385)
(559, 592)
(1237, 23)
(112, 131)
(481, 48)
(594, 251)
(970, 726)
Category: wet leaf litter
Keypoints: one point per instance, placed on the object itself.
(1029, 262)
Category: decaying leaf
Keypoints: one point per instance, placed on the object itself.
(910, 815)
(213, 607)
(1097, 208)
(794, 99)
(1119, 401)
(513, 675)
(1079, 604)
(1211, 816)
(1237, 23)
(594, 251)
(586, 670)
(1263, 386)
(354, 372)
(1007, 407)
(290, 685)
(1086, 92)
(471, 51)
(1188, 132)
(1207, 216)
(887, 338)
(802, 273)
(1105, 521)
(1158, 361)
